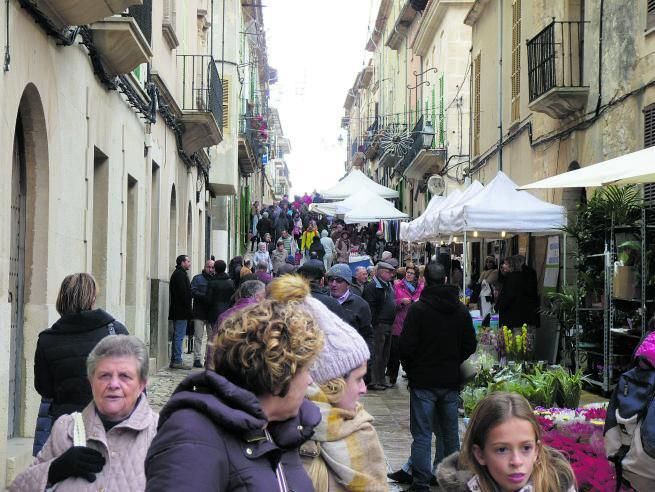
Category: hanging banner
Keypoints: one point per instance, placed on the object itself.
(551, 268)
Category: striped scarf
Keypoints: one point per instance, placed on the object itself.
(349, 446)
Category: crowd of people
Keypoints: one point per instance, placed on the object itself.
(287, 354)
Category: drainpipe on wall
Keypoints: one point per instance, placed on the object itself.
(500, 85)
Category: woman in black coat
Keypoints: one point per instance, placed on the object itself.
(61, 351)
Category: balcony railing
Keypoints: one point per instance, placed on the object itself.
(202, 90)
(555, 57)
(423, 135)
(142, 14)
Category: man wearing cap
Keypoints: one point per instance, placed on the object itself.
(380, 297)
(437, 337)
(313, 271)
(357, 312)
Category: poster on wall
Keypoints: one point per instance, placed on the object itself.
(551, 268)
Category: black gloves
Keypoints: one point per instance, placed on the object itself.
(78, 461)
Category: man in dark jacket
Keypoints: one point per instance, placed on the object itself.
(379, 295)
(437, 337)
(357, 312)
(201, 322)
(281, 224)
(313, 271)
(264, 226)
(219, 292)
(179, 308)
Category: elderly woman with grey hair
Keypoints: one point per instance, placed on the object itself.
(104, 447)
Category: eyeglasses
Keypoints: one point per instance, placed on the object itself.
(410, 272)
(336, 279)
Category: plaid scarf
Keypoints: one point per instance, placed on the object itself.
(349, 446)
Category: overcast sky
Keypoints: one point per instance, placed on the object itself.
(317, 48)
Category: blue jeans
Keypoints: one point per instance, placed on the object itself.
(178, 338)
(428, 408)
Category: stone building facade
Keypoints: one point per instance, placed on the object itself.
(121, 128)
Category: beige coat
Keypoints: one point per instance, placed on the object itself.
(124, 447)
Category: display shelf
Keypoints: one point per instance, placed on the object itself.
(625, 333)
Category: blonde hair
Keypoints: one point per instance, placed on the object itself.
(76, 294)
(550, 469)
(262, 347)
(333, 389)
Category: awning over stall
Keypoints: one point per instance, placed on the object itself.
(355, 182)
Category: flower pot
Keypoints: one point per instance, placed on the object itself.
(625, 282)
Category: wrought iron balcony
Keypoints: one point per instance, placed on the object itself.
(201, 102)
(372, 141)
(555, 69)
(142, 14)
(80, 13)
(250, 151)
(422, 158)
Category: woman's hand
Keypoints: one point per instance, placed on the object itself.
(78, 461)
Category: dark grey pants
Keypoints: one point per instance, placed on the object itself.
(381, 351)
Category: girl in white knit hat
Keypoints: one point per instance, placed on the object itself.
(345, 453)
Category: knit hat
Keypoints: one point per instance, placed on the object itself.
(386, 255)
(344, 349)
(341, 270)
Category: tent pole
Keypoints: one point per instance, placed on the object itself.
(564, 262)
(464, 266)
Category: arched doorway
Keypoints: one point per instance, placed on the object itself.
(28, 245)
(172, 228)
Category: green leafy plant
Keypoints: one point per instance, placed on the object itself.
(568, 387)
(629, 252)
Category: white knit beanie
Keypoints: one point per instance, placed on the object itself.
(344, 349)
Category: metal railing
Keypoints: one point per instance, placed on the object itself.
(202, 89)
(418, 134)
(142, 14)
(555, 57)
(249, 132)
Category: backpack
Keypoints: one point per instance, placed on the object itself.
(630, 424)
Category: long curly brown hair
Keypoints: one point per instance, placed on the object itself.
(262, 347)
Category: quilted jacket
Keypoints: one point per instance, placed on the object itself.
(124, 448)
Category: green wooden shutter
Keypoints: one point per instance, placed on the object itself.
(442, 111)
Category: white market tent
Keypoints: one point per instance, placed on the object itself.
(636, 167)
(500, 207)
(445, 213)
(421, 229)
(361, 207)
(355, 182)
(411, 229)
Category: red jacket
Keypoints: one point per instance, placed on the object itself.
(402, 292)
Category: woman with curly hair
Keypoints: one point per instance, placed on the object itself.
(344, 453)
(238, 425)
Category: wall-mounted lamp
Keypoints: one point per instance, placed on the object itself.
(503, 234)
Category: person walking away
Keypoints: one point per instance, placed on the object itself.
(244, 423)
(281, 224)
(489, 286)
(316, 250)
(297, 229)
(234, 270)
(342, 247)
(61, 350)
(437, 337)
(328, 246)
(261, 272)
(250, 292)
(179, 311)
(254, 220)
(219, 293)
(118, 424)
(201, 323)
(380, 297)
(522, 462)
(406, 292)
(457, 275)
(264, 225)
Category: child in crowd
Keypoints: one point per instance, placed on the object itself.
(502, 451)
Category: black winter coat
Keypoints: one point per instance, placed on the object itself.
(179, 295)
(264, 226)
(358, 315)
(382, 301)
(199, 287)
(518, 301)
(219, 296)
(322, 294)
(60, 359)
(437, 337)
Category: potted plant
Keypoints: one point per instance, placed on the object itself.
(625, 274)
(568, 387)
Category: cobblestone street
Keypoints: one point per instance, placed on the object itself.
(390, 409)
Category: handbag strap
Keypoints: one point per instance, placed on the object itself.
(79, 432)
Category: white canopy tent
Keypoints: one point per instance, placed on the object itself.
(411, 229)
(500, 207)
(445, 213)
(421, 229)
(636, 167)
(362, 207)
(355, 182)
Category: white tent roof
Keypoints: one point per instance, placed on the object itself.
(500, 207)
(446, 213)
(410, 229)
(636, 167)
(364, 206)
(355, 182)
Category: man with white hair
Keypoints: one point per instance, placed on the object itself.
(360, 280)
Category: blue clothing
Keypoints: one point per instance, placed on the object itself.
(431, 410)
(178, 338)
